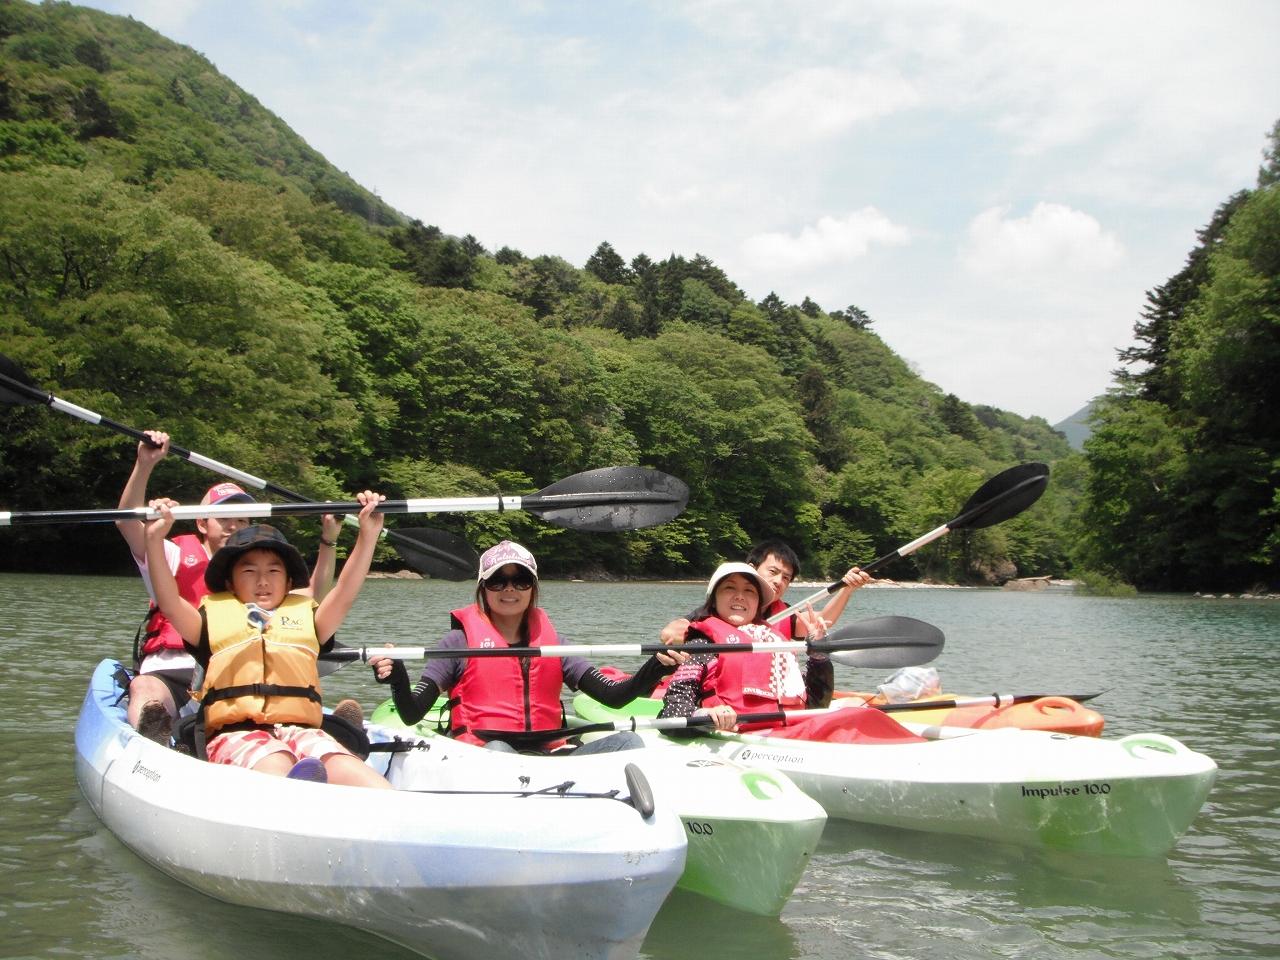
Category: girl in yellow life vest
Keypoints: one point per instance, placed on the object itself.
(258, 645)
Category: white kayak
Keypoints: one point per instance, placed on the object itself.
(751, 831)
(1132, 797)
(471, 875)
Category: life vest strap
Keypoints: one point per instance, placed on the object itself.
(262, 690)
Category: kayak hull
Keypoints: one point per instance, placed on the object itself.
(1131, 798)
(462, 876)
(750, 831)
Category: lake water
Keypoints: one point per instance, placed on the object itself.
(1204, 671)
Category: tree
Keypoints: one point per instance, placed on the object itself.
(436, 260)
(606, 264)
(854, 316)
(1166, 306)
(1269, 172)
(1185, 457)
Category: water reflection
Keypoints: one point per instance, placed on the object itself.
(721, 932)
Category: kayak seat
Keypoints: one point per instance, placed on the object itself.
(344, 731)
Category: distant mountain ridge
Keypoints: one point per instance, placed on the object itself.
(1076, 427)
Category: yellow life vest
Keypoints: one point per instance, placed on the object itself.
(264, 677)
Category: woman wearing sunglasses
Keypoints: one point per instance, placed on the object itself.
(517, 694)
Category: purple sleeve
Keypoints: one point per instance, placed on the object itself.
(573, 668)
(447, 672)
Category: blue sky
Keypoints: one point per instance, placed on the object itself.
(996, 184)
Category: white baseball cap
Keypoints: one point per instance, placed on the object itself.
(499, 555)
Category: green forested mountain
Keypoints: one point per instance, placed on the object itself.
(1184, 481)
(172, 255)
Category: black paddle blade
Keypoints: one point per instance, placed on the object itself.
(610, 498)
(10, 397)
(883, 643)
(326, 667)
(1004, 496)
(436, 553)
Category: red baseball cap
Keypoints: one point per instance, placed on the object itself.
(227, 493)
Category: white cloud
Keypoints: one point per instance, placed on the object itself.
(821, 102)
(833, 240)
(1053, 238)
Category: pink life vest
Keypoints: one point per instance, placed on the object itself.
(160, 634)
(742, 680)
(506, 693)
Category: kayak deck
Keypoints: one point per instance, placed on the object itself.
(1051, 714)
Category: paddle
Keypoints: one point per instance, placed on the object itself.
(609, 498)
(1001, 498)
(431, 552)
(878, 643)
(995, 700)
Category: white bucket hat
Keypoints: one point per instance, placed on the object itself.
(727, 569)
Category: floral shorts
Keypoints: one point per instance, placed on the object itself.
(246, 748)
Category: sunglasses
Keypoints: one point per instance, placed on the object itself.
(500, 581)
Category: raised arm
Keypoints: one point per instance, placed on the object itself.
(326, 559)
(184, 617)
(135, 491)
(334, 607)
(853, 580)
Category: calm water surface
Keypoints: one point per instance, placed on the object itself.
(1204, 671)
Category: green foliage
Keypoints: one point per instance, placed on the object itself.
(1185, 456)
(1093, 584)
(148, 107)
(436, 260)
(172, 255)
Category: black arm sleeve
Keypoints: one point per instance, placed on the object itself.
(618, 693)
(411, 704)
(819, 682)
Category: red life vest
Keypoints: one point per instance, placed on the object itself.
(785, 627)
(506, 693)
(160, 634)
(743, 680)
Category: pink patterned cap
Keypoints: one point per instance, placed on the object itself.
(499, 555)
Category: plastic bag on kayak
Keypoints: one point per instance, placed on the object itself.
(910, 683)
